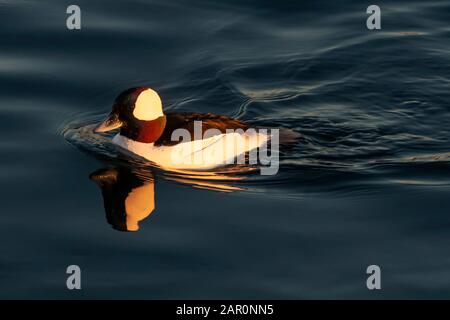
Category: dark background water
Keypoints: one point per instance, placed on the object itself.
(367, 182)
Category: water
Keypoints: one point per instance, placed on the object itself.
(366, 183)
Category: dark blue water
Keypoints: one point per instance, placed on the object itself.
(366, 183)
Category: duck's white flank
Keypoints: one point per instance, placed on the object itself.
(205, 154)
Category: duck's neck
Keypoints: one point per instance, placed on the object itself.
(145, 131)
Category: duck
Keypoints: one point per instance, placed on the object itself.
(177, 140)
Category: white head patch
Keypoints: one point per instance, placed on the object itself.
(148, 106)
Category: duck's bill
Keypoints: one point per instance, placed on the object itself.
(111, 123)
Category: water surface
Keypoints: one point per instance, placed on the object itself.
(366, 183)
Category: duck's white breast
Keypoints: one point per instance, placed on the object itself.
(198, 154)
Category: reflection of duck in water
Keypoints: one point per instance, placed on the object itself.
(129, 195)
(206, 139)
(127, 198)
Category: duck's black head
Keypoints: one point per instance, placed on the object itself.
(138, 113)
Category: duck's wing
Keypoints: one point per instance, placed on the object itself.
(186, 120)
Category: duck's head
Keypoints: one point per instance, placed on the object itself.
(139, 115)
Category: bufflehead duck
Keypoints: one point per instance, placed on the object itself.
(147, 131)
